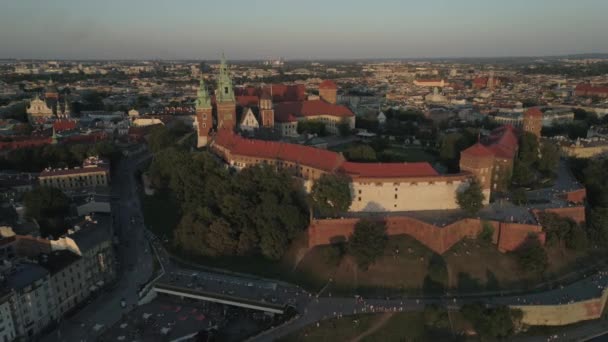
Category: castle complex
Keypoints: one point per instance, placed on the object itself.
(279, 107)
(375, 187)
(382, 187)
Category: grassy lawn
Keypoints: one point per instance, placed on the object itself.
(161, 213)
(337, 329)
(402, 271)
(472, 267)
(410, 155)
(397, 154)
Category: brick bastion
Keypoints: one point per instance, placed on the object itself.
(507, 236)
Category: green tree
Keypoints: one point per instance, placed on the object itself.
(471, 199)
(528, 148)
(549, 158)
(487, 232)
(160, 138)
(49, 207)
(497, 322)
(577, 238)
(367, 242)
(361, 153)
(312, 127)
(330, 194)
(531, 256)
(220, 238)
(523, 174)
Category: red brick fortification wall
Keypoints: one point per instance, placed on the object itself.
(513, 235)
(575, 213)
(438, 239)
(576, 196)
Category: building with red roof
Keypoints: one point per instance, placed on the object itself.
(332, 115)
(328, 91)
(64, 125)
(375, 187)
(491, 159)
(588, 90)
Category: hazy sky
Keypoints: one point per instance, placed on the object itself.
(307, 29)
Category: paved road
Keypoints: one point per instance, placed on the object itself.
(135, 257)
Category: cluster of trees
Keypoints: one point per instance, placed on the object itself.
(255, 211)
(407, 123)
(161, 137)
(49, 207)
(312, 127)
(498, 322)
(361, 153)
(35, 159)
(471, 199)
(592, 173)
(452, 144)
(563, 232)
(578, 128)
(534, 161)
(531, 256)
(330, 195)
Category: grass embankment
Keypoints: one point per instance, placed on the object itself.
(410, 326)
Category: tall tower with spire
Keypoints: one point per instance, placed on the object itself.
(204, 114)
(226, 102)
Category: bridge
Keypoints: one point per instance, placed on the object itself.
(224, 289)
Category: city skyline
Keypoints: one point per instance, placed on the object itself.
(360, 30)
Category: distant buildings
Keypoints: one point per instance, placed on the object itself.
(588, 90)
(94, 172)
(432, 83)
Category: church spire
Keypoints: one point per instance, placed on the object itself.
(202, 96)
(225, 91)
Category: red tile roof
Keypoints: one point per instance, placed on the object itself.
(478, 150)
(534, 111)
(311, 108)
(586, 87)
(305, 155)
(284, 117)
(318, 158)
(64, 125)
(247, 101)
(328, 84)
(280, 92)
(388, 170)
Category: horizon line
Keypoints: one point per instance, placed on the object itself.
(603, 54)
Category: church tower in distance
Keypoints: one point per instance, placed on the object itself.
(266, 110)
(204, 114)
(226, 102)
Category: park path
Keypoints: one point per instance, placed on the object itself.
(377, 325)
